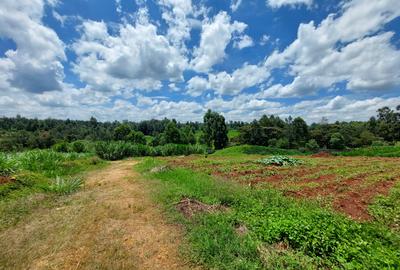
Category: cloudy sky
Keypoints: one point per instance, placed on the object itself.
(143, 59)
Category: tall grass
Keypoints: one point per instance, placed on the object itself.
(373, 151)
(257, 150)
(35, 170)
(119, 150)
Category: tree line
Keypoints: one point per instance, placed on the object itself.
(17, 133)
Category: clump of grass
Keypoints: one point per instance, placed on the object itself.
(65, 186)
(280, 161)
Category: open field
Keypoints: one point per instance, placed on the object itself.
(348, 184)
(234, 225)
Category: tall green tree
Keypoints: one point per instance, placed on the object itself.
(121, 132)
(215, 130)
(172, 133)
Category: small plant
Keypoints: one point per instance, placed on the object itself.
(64, 186)
(8, 165)
(280, 161)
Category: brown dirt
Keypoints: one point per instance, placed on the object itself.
(322, 154)
(111, 224)
(189, 207)
(6, 179)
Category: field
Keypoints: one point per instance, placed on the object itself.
(348, 184)
(243, 207)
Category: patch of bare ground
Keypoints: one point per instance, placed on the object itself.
(189, 207)
(111, 224)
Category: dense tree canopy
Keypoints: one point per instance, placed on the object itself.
(18, 133)
(215, 130)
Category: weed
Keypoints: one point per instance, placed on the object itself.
(65, 186)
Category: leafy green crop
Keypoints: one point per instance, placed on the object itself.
(280, 161)
(119, 150)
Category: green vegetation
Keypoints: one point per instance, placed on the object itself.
(280, 161)
(373, 151)
(282, 233)
(215, 130)
(256, 150)
(386, 209)
(120, 150)
(33, 179)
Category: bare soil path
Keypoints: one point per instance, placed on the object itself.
(110, 224)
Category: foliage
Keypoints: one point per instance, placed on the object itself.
(121, 132)
(386, 209)
(61, 147)
(337, 141)
(373, 151)
(120, 150)
(316, 238)
(78, 147)
(215, 130)
(312, 145)
(8, 165)
(65, 186)
(255, 150)
(136, 137)
(280, 161)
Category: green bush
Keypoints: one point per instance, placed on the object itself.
(61, 147)
(78, 147)
(8, 165)
(312, 145)
(65, 186)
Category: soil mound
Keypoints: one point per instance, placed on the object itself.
(189, 207)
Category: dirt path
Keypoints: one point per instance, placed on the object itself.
(111, 224)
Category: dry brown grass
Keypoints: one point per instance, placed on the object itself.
(111, 224)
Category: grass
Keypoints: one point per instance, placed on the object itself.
(373, 151)
(256, 150)
(312, 237)
(39, 176)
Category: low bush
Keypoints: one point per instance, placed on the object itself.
(61, 147)
(78, 147)
(65, 186)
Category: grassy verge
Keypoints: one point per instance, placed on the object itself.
(37, 178)
(373, 151)
(282, 233)
(257, 150)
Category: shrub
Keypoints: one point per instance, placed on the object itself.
(78, 147)
(282, 143)
(8, 165)
(61, 147)
(312, 145)
(65, 186)
(337, 141)
(136, 137)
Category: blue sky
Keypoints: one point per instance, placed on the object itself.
(143, 59)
